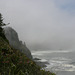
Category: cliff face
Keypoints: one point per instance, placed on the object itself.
(14, 41)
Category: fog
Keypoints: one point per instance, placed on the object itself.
(42, 24)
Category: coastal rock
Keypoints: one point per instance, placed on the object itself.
(14, 41)
(40, 62)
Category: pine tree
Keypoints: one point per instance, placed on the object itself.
(1, 21)
(1, 29)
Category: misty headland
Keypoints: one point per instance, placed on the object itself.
(47, 28)
(15, 57)
(42, 24)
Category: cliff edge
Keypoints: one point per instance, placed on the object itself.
(14, 41)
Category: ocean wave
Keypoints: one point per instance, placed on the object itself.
(57, 64)
(57, 61)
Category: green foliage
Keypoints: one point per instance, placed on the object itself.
(13, 62)
(1, 21)
(1, 29)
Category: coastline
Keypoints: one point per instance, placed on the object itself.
(41, 62)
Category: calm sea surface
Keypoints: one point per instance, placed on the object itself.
(62, 62)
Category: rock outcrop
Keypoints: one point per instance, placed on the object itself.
(14, 41)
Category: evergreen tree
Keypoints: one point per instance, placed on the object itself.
(1, 21)
(1, 29)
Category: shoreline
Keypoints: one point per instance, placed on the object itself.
(41, 62)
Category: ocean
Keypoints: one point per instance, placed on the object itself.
(61, 62)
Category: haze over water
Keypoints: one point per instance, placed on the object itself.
(60, 62)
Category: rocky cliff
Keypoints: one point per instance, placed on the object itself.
(14, 41)
(14, 62)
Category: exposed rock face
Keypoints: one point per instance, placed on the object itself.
(14, 41)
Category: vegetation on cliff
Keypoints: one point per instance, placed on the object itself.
(1, 29)
(13, 62)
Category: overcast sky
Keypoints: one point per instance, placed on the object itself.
(42, 24)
